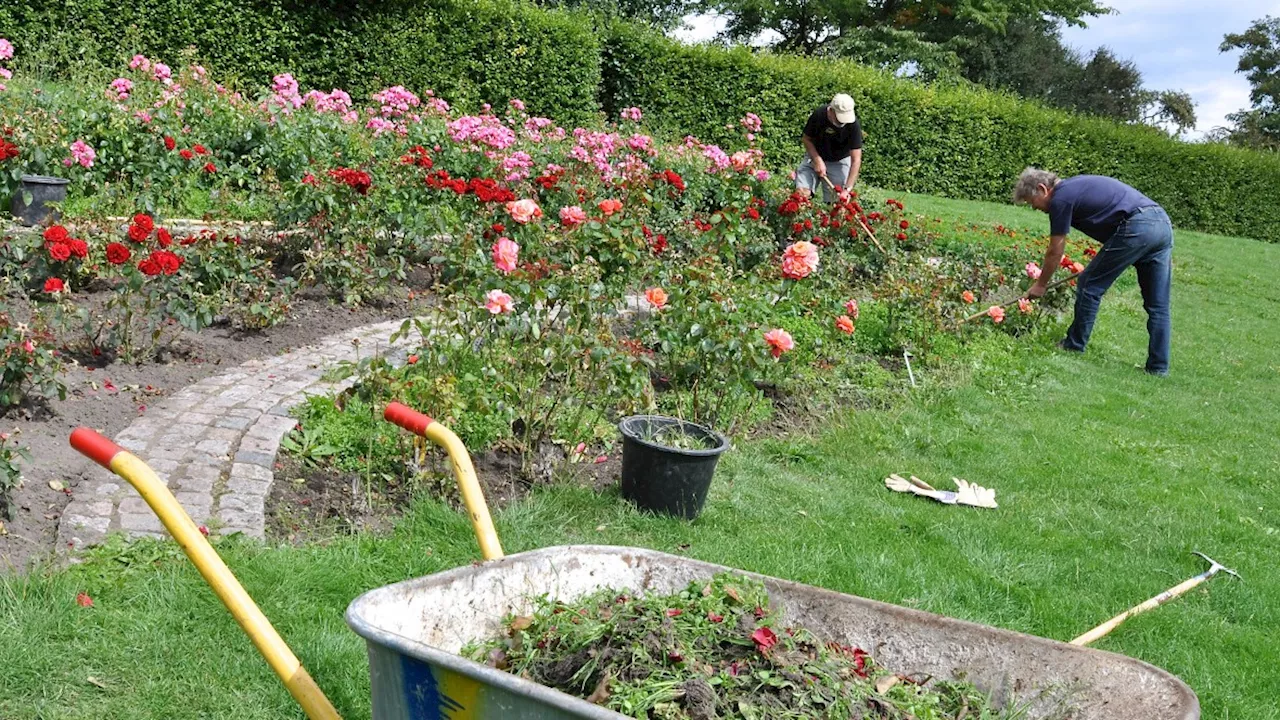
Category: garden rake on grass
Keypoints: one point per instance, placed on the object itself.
(1176, 591)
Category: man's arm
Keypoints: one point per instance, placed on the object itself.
(855, 165)
(819, 166)
(1052, 256)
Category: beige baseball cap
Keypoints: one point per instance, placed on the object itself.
(842, 107)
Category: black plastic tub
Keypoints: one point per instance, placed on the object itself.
(668, 480)
(40, 190)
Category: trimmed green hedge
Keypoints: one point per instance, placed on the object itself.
(961, 142)
(468, 51)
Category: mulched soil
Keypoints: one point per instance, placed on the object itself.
(45, 428)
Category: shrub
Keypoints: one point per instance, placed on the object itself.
(471, 51)
(960, 141)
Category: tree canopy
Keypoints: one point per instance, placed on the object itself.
(1259, 126)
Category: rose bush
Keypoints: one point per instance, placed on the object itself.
(578, 273)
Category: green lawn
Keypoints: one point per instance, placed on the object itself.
(1107, 480)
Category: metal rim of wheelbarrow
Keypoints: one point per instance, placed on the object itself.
(626, 426)
(1187, 705)
(44, 180)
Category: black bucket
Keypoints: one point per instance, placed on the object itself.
(672, 481)
(42, 189)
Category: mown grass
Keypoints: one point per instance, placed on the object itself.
(1107, 480)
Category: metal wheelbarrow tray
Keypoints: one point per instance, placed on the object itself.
(415, 628)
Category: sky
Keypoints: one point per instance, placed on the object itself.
(1173, 42)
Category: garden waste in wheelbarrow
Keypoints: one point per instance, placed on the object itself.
(416, 628)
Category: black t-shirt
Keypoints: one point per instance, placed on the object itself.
(833, 143)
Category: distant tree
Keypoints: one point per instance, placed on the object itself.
(810, 26)
(1258, 127)
(1169, 108)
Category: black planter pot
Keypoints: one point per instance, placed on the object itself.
(667, 480)
(42, 190)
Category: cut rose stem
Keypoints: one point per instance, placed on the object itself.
(1014, 301)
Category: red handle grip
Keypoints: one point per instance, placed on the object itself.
(407, 418)
(94, 446)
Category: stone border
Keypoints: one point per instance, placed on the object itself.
(214, 443)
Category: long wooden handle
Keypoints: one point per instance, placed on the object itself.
(861, 222)
(1014, 301)
(1155, 602)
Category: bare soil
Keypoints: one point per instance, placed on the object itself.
(91, 402)
(310, 504)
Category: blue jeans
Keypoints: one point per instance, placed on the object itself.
(1145, 241)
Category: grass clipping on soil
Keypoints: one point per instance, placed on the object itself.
(714, 650)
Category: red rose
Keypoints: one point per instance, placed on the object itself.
(138, 233)
(164, 238)
(117, 254)
(167, 261)
(149, 267)
(169, 143)
(79, 248)
(56, 234)
(753, 213)
(210, 168)
(186, 154)
(144, 221)
(200, 150)
(904, 224)
(60, 251)
(901, 236)
(53, 285)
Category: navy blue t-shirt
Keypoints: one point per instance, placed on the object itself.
(1093, 204)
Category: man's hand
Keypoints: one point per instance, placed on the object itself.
(820, 168)
(1037, 290)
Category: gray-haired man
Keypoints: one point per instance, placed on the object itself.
(832, 142)
(1133, 229)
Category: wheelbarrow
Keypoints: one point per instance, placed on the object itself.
(415, 629)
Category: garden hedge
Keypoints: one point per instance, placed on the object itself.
(959, 141)
(468, 51)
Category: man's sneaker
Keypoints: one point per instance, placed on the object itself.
(1062, 345)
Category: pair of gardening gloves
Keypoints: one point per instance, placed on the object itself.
(966, 493)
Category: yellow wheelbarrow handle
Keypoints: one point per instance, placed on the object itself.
(472, 495)
(215, 571)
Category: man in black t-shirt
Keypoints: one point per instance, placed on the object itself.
(832, 142)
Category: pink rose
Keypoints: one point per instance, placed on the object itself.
(572, 215)
(779, 341)
(522, 211)
(996, 313)
(799, 260)
(1024, 306)
(852, 308)
(505, 255)
(498, 302)
(1033, 271)
(844, 324)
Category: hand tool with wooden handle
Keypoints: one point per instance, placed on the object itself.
(1014, 301)
(861, 222)
(1176, 591)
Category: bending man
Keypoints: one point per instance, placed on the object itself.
(832, 142)
(1133, 229)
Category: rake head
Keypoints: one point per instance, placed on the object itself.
(1216, 567)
